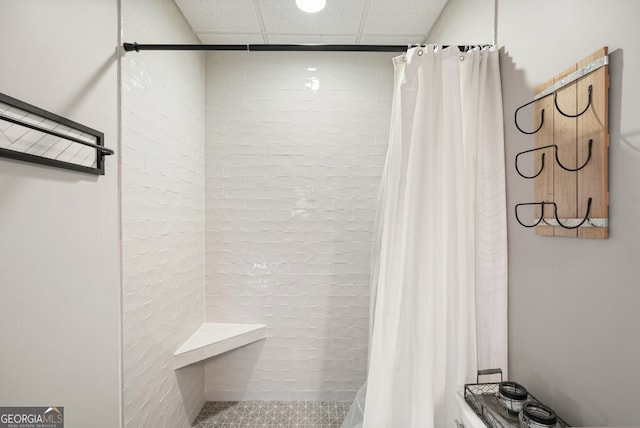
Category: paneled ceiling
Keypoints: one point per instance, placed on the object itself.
(385, 22)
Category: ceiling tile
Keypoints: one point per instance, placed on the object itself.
(220, 15)
(311, 39)
(230, 39)
(406, 39)
(402, 16)
(337, 18)
(382, 22)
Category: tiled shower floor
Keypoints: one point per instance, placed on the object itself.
(272, 414)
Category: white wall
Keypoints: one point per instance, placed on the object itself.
(474, 23)
(162, 217)
(573, 316)
(295, 147)
(578, 296)
(59, 256)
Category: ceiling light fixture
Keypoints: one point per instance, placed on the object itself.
(311, 6)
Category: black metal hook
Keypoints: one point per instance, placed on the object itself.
(580, 167)
(555, 101)
(531, 203)
(555, 214)
(515, 119)
(555, 149)
(541, 161)
(585, 218)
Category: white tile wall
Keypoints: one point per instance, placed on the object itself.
(295, 146)
(162, 218)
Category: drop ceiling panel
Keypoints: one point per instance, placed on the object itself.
(220, 15)
(402, 17)
(406, 39)
(341, 22)
(229, 39)
(312, 39)
(338, 17)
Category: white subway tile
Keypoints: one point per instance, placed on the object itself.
(292, 178)
(162, 229)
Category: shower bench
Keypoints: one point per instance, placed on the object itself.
(213, 339)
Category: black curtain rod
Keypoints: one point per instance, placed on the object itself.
(128, 47)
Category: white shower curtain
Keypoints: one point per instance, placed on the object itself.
(440, 307)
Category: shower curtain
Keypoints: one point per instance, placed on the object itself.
(440, 282)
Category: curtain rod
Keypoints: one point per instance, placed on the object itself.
(128, 47)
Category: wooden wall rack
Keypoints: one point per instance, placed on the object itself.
(571, 153)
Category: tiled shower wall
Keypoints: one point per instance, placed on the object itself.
(295, 147)
(162, 217)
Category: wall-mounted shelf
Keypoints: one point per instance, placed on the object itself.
(571, 153)
(213, 339)
(31, 134)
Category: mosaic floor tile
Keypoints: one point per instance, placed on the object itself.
(272, 414)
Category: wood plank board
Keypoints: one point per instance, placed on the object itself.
(565, 183)
(571, 190)
(594, 125)
(544, 137)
